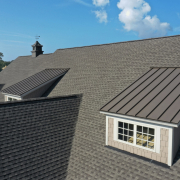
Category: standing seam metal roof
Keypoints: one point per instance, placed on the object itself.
(155, 95)
(34, 81)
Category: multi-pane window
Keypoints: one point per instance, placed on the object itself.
(136, 134)
(125, 132)
(11, 99)
(145, 137)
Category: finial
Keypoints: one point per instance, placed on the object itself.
(37, 37)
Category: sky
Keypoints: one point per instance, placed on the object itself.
(74, 23)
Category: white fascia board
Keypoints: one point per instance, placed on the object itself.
(147, 121)
(170, 146)
(12, 95)
(107, 131)
(42, 85)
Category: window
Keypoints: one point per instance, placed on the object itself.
(11, 99)
(125, 132)
(145, 137)
(137, 134)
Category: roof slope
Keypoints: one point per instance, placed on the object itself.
(36, 138)
(155, 95)
(100, 73)
(34, 81)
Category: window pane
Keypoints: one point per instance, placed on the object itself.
(145, 136)
(120, 130)
(121, 124)
(120, 137)
(126, 132)
(150, 145)
(130, 139)
(126, 125)
(151, 131)
(131, 126)
(139, 128)
(125, 138)
(151, 138)
(145, 130)
(139, 142)
(139, 135)
(145, 143)
(130, 133)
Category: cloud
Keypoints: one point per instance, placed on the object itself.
(82, 2)
(134, 16)
(100, 2)
(101, 15)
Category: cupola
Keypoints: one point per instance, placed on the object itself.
(37, 49)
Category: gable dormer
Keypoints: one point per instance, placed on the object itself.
(37, 49)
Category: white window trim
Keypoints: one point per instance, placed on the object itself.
(13, 97)
(156, 134)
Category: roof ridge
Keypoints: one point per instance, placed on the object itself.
(121, 42)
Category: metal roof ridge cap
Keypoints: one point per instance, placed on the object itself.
(162, 123)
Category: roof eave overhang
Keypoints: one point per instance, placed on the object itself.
(141, 119)
(13, 95)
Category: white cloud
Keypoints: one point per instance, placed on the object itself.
(134, 16)
(100, 2)
(101, 15)
(82, 2)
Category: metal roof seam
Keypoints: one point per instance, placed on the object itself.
(125, 89)
(141, 90)
(150, 91)
(157, 95)
(163, 100)
(175, 115)
(169, 107)
(132, 90)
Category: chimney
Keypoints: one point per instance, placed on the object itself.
(37, 49)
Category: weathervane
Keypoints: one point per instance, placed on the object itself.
(37, 37)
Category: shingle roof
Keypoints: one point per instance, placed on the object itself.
(99, 73)
(34, 81)
(36, 137)
(155, 95)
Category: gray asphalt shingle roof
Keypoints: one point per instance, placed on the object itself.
(34, 81)
(99, 73)
(155, 95)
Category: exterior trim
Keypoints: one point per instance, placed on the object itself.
(157, 140)
(106, 131)
(147, 121)
(12, 96)
(170, 146)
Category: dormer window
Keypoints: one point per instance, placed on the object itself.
(12, 98)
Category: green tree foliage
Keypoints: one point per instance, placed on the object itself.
(3, 63)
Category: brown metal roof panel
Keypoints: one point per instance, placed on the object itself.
(176, 119)
(137, 100)
(161, 108)
(153, 93)
(154, 103)
(128, 90)
(118, 106)
(33, 81)
(171, 112)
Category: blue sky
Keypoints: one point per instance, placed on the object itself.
(73, 23)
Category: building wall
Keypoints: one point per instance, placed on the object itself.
(39, 92)
(161, 157)
(176, 141)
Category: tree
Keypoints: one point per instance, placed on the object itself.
(1, 55)
(3, 63)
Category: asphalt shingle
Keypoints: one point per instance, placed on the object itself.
(99, 73)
